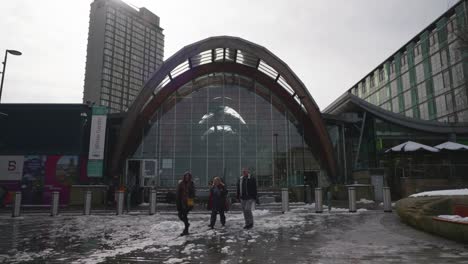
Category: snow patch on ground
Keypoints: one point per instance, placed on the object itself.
(365, 201)
(442, 193)
(225, 250)
(173, 260)
(455, 218)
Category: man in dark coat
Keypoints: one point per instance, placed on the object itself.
(184, 199)
(217, 201)
(247, 194)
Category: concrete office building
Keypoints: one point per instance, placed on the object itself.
(125, 46)
(427, 77)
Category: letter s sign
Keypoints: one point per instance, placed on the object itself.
(11, 165)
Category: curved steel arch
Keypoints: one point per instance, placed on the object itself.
(220, 54)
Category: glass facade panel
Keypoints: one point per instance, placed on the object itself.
(220, 123)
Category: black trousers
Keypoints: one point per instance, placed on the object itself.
(183, 216)
(222, 217)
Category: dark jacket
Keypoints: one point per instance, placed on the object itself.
(250, 192)
(217, 200)
(185, 190)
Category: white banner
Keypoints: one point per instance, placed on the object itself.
(11, 168)
(98, 137)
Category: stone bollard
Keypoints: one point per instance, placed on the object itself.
(120, 202)
(152, 206)
(87, 202)
(387, 200)
(318, 200)
(284, 200)
(352, 199)
(17, 205)
(55, 203)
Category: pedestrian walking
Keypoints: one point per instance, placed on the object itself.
(184, 199)
(247, 194)
(217, 201)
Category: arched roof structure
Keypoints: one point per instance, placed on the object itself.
(222, 54)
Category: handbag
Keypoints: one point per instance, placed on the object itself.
(190, 202)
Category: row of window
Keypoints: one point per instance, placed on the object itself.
(416, 52)
(438, 82)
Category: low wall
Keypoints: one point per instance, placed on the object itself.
(419, 212)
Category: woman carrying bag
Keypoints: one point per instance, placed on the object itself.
(184, 199)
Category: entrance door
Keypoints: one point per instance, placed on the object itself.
(134, 182)
(311, 179)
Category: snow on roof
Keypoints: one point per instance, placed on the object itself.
(441, 193)
(451, 146)
(410, 146)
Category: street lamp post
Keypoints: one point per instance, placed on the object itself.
(301, 97)
(276, 160)
(12, 52)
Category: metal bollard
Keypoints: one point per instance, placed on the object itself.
(55, 203)
(152, 207)
(387, 200)
(120, 202)
(17, 205)
(318, 200)
(308, 194)
(352, 199)
(87, 203)
(284, 200)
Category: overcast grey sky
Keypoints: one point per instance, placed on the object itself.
(330, 45)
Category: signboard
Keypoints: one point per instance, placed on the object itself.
(97, 137)
(11, 168)
(97, 141)
(95, 168)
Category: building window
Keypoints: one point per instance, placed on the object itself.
(441, 105)
(372, 83)
(457, 74)
(394, 88)
(435, 62)
(463, 116)
(403, 60)
(392, 67)
(104, 103)
(419, 69)
(432, 39)
(409, 113)
(381, 75)
(407, 96)
(444, 59)
(461, 98)
(423, 111)
(417, 50)
(422, 92)
(395, 105)
(363, 88)
(406, 81)
(438, 83)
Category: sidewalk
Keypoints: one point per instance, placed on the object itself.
(299, 236)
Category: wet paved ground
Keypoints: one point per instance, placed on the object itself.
(297, 237)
